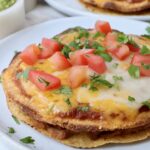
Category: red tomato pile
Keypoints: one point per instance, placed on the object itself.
(79, 59)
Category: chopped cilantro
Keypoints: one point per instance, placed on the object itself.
(86, 44)
(98, 47)
(75, 45)
(97, 80)
(24, 74)
(41, 80)
(134, 71)
(117, 78)
(64, 90)
(146, 103)
(83, 33)
(131, 41)
(83, 108)
(148, 30)
(145, 50)
(145, 66)
(131, 99)
(11, 130)
(98, 34)
(106, 57)
(122, 38)
(27, 140)
(15, 119)
(67, 100)
(66, 50)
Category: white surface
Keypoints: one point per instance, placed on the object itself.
(73, 8)
(34, 34)
(12, 19)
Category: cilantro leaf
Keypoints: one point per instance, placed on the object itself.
(67, 100)
(98, 80)
(64, 90)
(146, 103)
(148, 30)
(15, 119)
(11, 130)
(27, 140)
(145, 66)
(66, 50)
(122, 38)
(131, 99)
(134, 71)
(145, 50)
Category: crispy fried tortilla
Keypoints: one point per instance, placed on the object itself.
(123, 6)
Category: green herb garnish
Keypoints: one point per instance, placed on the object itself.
(84, 85)
(122, 38)
(97, 80)
(67, 100)
(98, 47)
(106, 56)
(145, 50)
(11, 130)
(148, 30)
(83, 33)
(134, 71)
(145, 66)
(83, 108)
(15, 119)
(131, 99)
(27, 140)
(24, 74)
(66, 50)
(41, 80)
(64, 90)
(117, 78)
(98, 34)
(146, 103)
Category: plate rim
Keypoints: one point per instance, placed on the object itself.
(72, 12)
(2, 133)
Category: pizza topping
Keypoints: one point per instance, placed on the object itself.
(83, 108)
(103, 26)
(31, 54)
(66, 90)
(131, 99)
(145, 50)
(146, 103)
(67, 101)
(134, 71)
(43, 80)
(97, 80)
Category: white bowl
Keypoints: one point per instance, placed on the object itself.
(29, 4)
(12, 18)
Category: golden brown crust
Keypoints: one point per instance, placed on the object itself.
(82, 140)
(121, 6)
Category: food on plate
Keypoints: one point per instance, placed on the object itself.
(83, 87)
(123, 6)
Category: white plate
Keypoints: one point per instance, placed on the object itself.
(34, 34)
(74, 8)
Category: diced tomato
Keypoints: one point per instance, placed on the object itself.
(49, 47)
(110, 42)
(77, 76)
(96, 63)
(138, 59)
(77, 57)
(30, 55)
(122, 52)
(133, 48)
(103, 26)
(60, 61)
(44, 81)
